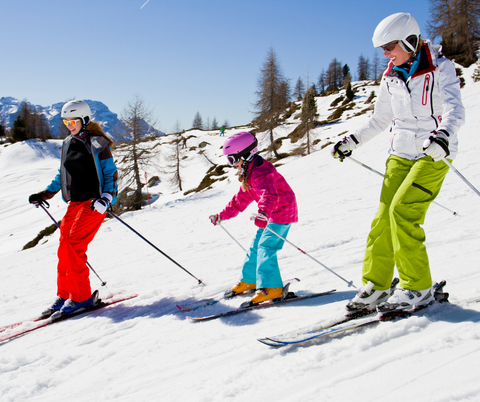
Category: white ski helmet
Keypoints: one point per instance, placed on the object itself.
(400, 26)
(77, 109)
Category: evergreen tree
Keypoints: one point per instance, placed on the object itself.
(346, 76)
(309, 115)
(476, 73)
(299, 90)
(3, 126)
(215, 124)
(18, 129)
(197, 122)
(349, 92)
(32, 124)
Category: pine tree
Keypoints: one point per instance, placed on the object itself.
(18, 129)
(299, 90)
(309, 115)
(197, 122)
(347, 78)
(349, 92)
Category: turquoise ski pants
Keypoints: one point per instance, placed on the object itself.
(396, 236)
(261, 263)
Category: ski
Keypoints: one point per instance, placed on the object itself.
(6, 334)
(324, 324)
(291, 297)
(215, 299)
(474, 300)
(311, 331)
(17, 324)
(345, 324)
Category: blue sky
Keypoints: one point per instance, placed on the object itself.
(180, 56)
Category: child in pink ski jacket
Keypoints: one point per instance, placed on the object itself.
(277, 210)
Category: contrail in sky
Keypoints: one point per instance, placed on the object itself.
(144, 4)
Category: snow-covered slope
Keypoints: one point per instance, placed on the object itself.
(144, 349)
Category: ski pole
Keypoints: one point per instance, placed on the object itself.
(58, 226)
(233, 238)
(461, 176)
(380, 174)
(155, 247)
(303, 252)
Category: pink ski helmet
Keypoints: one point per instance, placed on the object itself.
(240, 145)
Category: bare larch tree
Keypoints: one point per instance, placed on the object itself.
(273, 90)
(137, 125)
(457, 23)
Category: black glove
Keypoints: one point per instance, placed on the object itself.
(37, 200)
(343, 149)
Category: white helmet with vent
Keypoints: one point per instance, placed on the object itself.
(400, 26)
(78, 109)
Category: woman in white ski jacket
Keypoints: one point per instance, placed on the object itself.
(419, 101)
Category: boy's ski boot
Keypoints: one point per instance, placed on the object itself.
(70, 306)
(56, 306)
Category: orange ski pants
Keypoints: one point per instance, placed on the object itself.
(78, 228)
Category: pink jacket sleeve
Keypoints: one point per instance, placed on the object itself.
(237, 204)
